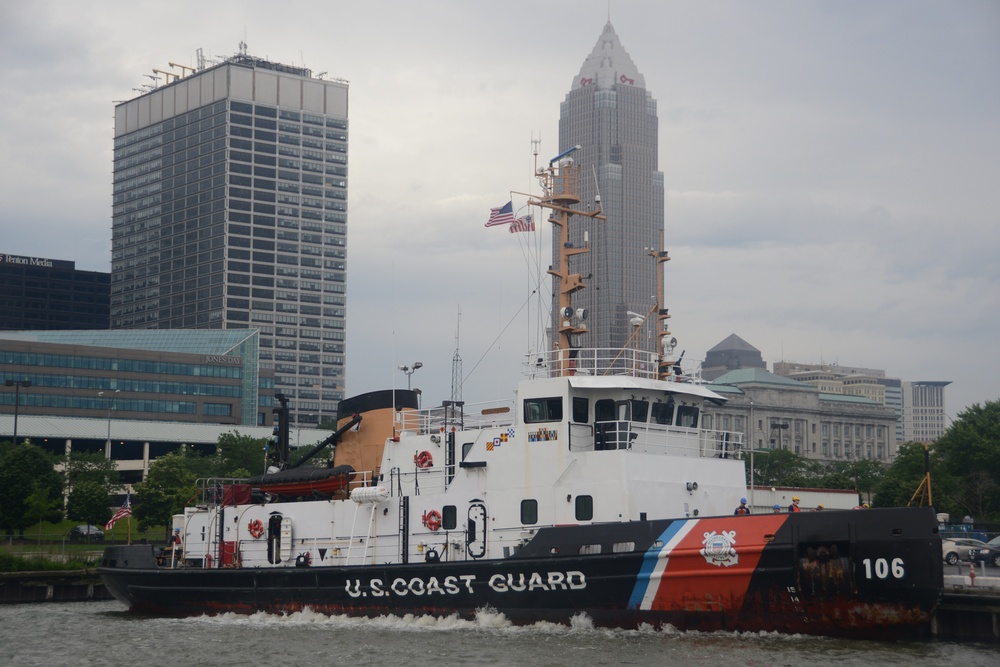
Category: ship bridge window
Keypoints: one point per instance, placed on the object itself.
(581, 409)
(604, 410)
(663, 413)
(633, 410)
(687, 416)
(466, 448)
(542, 410)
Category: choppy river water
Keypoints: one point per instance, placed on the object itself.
(102, 633)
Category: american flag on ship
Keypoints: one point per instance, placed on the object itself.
(525, 224)
(503, 215)
(123, 511)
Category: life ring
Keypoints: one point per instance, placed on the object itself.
(256, 528)
(423, 459)
(432, 520)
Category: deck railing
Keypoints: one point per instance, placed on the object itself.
(596, 361)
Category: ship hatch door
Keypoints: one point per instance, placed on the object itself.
(279, 538)
(476, 530)
(286, 538)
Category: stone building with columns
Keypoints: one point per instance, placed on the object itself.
(775, 412)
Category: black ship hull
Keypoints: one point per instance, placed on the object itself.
(874, 573)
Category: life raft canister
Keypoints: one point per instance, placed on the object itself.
(256, 528)
(423, 459)
(432, 520)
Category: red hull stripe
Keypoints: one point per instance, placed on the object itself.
(703, 562)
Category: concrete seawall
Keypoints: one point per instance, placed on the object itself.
(970, 609)
(52, 586)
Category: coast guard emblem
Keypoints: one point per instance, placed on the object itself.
(720, 548)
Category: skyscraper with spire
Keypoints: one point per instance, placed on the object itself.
(612, 117)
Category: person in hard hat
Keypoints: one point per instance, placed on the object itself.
(742, 508)
(863, 506)
(818, 508)
(794, 507)
(777, 508)
(175, 539)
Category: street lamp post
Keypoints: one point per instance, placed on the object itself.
(17, 384)
(111, 406)
(409, 371)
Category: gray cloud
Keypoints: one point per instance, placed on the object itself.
(831, 167)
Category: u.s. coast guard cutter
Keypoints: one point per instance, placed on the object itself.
(593, 491)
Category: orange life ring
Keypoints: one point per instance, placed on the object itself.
(423, 459)
(432, 520)
(256, 528)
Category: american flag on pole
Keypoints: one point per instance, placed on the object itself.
(525, 224)
(123, 511)
(504, 215)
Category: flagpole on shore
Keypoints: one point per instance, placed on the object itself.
(125, 511)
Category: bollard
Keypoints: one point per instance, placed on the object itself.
(972, 572)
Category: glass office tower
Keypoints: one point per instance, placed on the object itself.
(230, 212)
(612, 117)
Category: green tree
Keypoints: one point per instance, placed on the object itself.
(92, 467)
(232, 453)
(169, 486)
(970, 453)
(861, 475)
(240, 452)
(783, 467)
(89, 503)
(901, 480)
(25, 470)
(40, 506)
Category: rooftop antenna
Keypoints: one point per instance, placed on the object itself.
(201, 59)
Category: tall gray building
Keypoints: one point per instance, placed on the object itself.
(612, 117)
(230, 212)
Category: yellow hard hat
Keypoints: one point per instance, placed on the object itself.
(795, 497)
(865, 505)
(820, 506)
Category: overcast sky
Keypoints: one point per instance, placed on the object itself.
(832, 168)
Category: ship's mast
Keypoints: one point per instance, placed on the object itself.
(665, 343)
(560, 191)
